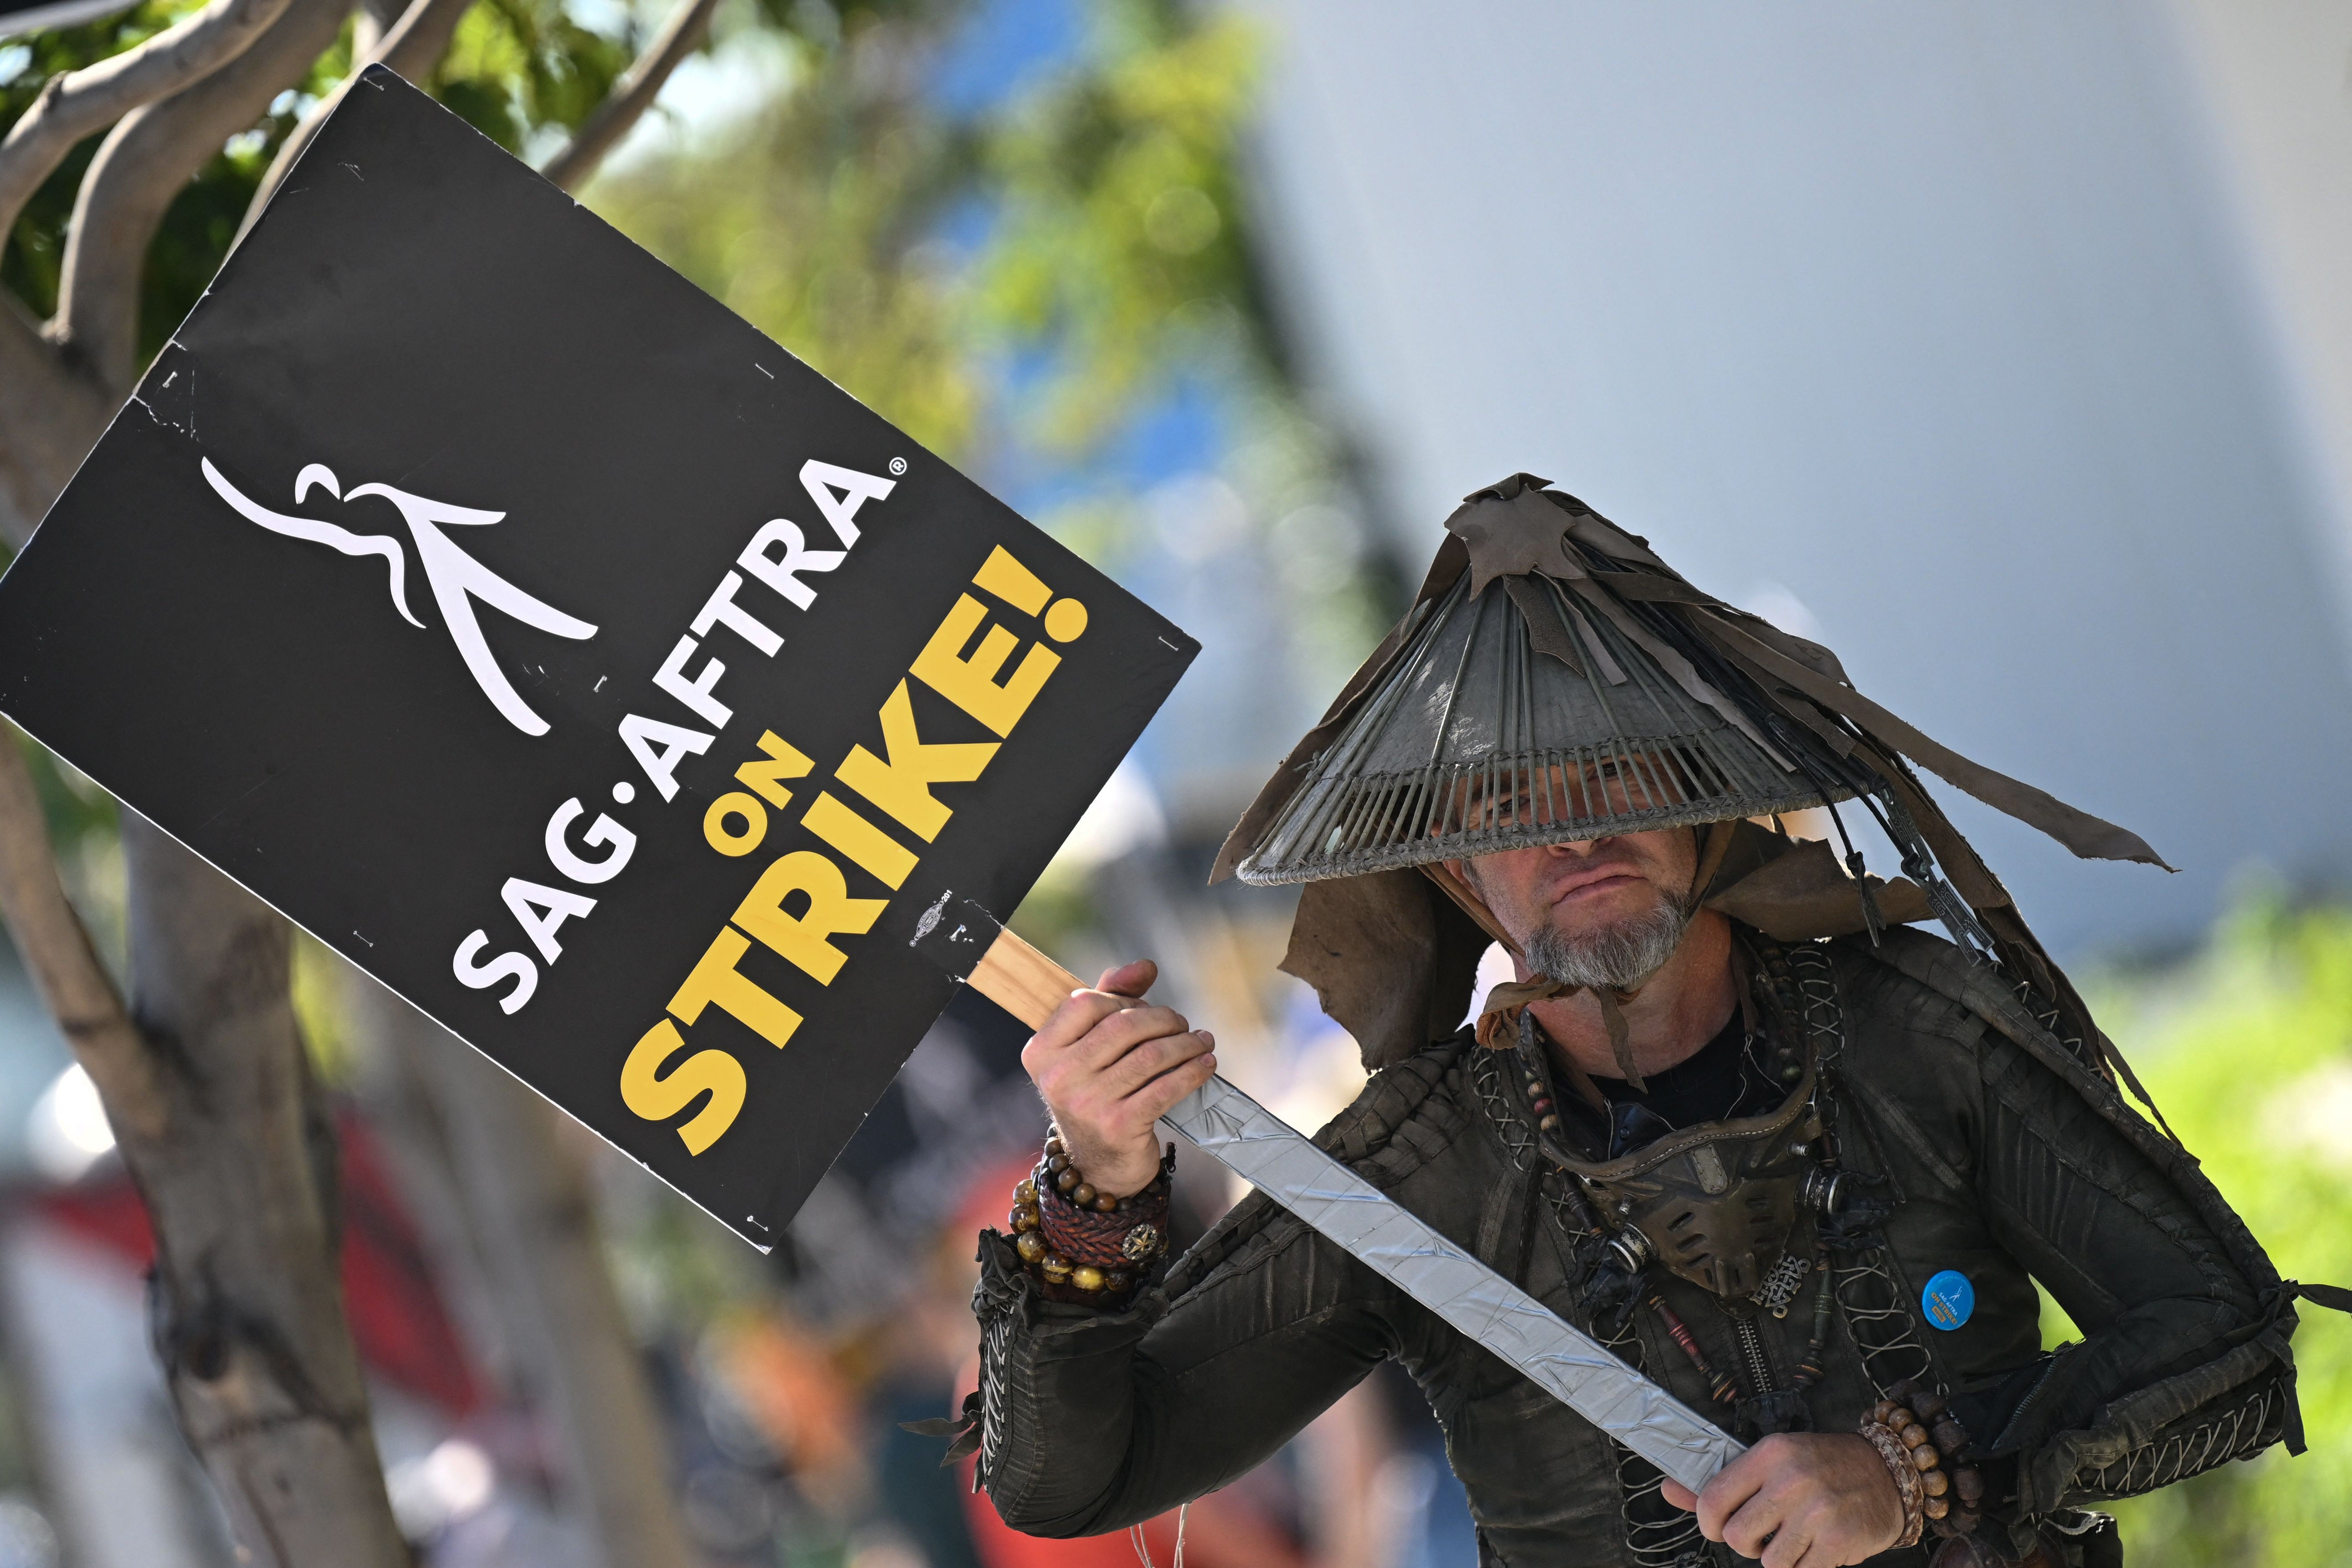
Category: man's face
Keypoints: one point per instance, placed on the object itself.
(1597, 911)
(1585, 889)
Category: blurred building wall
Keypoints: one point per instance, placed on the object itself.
(2275, 77)
(1942, 326)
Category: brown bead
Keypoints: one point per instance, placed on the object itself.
(1057, 1162)
(1928, 1405)
(1950, 1437)
(1912, 1435)
(1083, 1194)
(1550, 1124)
(1066, 1181)
(1087, 1276)
(1883, 1409)
(1030, 1245)
(1926, 1456)
(1026, 1192)
(1117, 1280)
(1969, 1484)
(1936, 1508)
(1054, 1143)
(1105, 1204)
(1024, 1219)
(1057, 1267)
(1937, 1482)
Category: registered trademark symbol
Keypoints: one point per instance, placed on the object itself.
(897, 465)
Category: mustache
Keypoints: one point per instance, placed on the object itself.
(1600, 862)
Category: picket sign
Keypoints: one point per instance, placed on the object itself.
(563, 652)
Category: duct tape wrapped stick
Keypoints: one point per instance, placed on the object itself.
(965, 940)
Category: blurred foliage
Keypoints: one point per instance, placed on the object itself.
(2248, 1052)
(1033, 273)
(1119, 222)
(523, 72)
(322, 1008)
(805, 222)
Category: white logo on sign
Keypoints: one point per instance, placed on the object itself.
(457, 578)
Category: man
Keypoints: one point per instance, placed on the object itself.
(1798, 1163)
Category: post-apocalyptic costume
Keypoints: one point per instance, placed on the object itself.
(1832, 1217)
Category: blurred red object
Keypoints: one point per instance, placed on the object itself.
(405, 1334)
(1222, 1529)
(1218, 1532)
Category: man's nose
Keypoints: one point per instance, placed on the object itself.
(1579, 847)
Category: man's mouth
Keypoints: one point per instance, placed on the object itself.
(1598, 882)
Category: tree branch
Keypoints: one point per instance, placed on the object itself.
(413, 47)
(375, 20)
(145, 161)
(52, 410)
(72, 106)
(245, 1311)
(631, 96)
(65, 967)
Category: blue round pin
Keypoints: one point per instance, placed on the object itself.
(1948, 1299)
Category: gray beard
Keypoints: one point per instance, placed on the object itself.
(1616, 956)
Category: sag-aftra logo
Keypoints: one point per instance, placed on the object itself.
(456, 578)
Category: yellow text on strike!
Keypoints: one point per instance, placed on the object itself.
(897, 784)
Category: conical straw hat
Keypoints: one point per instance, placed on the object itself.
(1557, 682)
(1516, 715)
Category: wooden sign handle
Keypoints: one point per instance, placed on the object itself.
(1022, 980)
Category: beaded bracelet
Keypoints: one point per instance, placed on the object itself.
(1935, 1487)
(1083, 1244)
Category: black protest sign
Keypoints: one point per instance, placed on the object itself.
(568, 656)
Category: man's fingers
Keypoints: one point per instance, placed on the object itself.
(1159, 1096)
(1748, 1529)
(1787, 1548)
(1078, 1013)
(1114, 1037)
(1151, 1057)
(1681, 1496)
(1728, 1492)
(1129, 979)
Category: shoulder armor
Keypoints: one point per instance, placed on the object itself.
(1936, 965)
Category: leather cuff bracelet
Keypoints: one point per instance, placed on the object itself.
(1085, 1246)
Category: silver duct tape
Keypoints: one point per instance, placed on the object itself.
(1571, 1366)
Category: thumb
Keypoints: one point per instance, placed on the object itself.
(1681, 1496)
(1129, 979)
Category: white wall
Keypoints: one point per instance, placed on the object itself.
(1942, 315)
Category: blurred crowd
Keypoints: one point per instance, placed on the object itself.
(785, 1382)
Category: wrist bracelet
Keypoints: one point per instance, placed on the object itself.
(1889, 1440)
(1963, 1495)
(1916, 1435)
(1082, 1245)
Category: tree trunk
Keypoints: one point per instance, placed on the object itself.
(239, 1182)
(534, 1238)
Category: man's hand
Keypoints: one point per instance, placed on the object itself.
(1108, 1066)
(1801, 1499)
